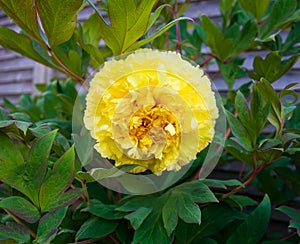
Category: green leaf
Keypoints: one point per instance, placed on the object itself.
(245, 37)
(170, 214)
(156, 34)
(48, 226)
(21, 44)
(259, 114)
(14, 126)
(96, 56)
(152, 230)
(239, 131)
(154, 16)
(290, 177)
(282, 11)
(214, 218)
(215, 39)
(238, 152)
(102, 173)
(137, 217)
(95, 228)
(14, 231)
(276, 115)
(271, 68)
(11, 164)
(63, 200)
(240, 201)
(198, 190)
(223, 184)
(3, 114)
(128, 23)
(226, 7)
(242, 109)
(24, 15)
(58, 180)
(104, 211)
(91, 30)
(21, 208)
(232, 70)
(255, 225)
(188, 211)
(58, 19)
(256, 7)
(37, 164)
(294, 214)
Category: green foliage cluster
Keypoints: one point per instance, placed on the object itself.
(45, 196)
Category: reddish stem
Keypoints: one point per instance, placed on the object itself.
(206, 61)
(287, 236)
(247, 182)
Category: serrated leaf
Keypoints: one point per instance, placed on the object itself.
(37, 164)
(23, 14)
(58, 19)
(255, 225)
(48, 226)
(14, 231)
(21, 208)
(128, 23)
(215, 39)
(95, 228)
(256, 7)
(58, 180)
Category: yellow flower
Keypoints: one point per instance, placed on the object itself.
(151, 109)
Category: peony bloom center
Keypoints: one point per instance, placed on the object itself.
(154, 125)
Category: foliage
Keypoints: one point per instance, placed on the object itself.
(45, 195)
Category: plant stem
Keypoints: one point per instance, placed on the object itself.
(247, 182)
(70, 72)
(206, 61)
(287, 236)
(178, 38)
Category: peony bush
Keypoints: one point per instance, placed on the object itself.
(124, 149)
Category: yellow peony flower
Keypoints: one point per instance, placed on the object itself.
(152, 109)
